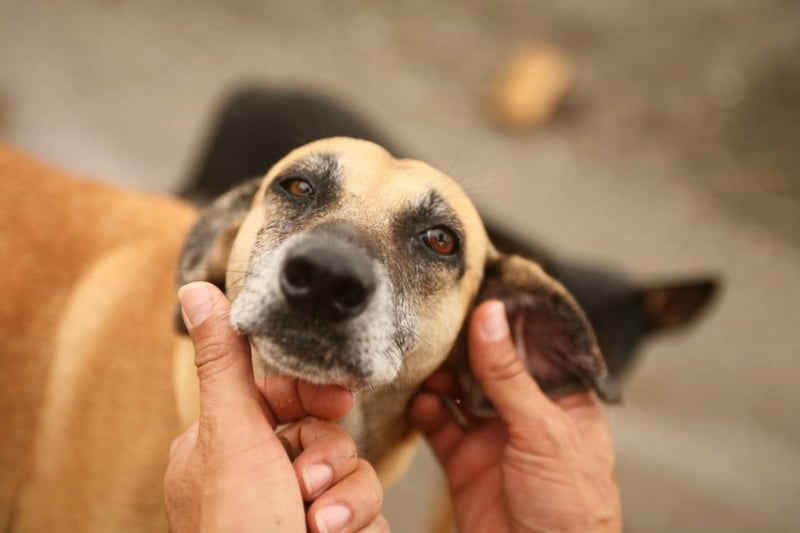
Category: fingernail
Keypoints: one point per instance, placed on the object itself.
(196, 304)
(317, 478)
(333, 518)
(494, 325)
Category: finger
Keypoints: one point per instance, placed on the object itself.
(442, 382)
(222, 359)
(290, 400)
(179, 483)
(328, 454)
(184, 441)
(379, 525)
(325, 401)
(349, 505)
(500, 370)
(429, 415)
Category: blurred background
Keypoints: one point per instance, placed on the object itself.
(676, 152)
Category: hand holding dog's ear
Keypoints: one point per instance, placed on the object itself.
(540, 465)
(553, 339)
(231, 472)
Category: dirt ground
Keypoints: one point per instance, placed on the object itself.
(678, 153)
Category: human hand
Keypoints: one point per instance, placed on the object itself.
(541, 465)
(231, 472)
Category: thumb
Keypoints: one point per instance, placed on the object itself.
(222, 358)
(499, 369)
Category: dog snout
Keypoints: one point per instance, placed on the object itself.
(326, 279)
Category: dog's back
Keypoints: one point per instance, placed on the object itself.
(86, 305)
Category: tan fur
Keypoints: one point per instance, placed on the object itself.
(87, 404)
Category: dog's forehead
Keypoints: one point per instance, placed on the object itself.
(375, 181)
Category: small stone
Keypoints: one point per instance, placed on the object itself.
(529, 87)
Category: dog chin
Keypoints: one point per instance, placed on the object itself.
(326, 372)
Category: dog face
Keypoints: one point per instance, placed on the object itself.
(351, 263)
(347, 266)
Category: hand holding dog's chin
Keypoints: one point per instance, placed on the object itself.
(230, 472)
(542, 466)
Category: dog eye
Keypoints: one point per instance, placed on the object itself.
(297, 187)
(441, 240)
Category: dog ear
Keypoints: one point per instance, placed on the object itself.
(205, 253)
(549, 329)
(673, 305)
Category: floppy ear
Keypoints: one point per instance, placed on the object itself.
(205, 253)
(550, 331)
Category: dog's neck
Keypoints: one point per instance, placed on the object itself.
(380, 427)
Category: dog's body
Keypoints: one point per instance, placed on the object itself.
(88, 394)
(96, 382)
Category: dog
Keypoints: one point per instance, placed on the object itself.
(344, 265)
(256, 126)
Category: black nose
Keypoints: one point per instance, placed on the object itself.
(326, 279)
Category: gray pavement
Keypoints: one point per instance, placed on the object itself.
(679, 154)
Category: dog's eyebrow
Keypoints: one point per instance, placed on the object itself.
(432, 208)
(324, 165)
